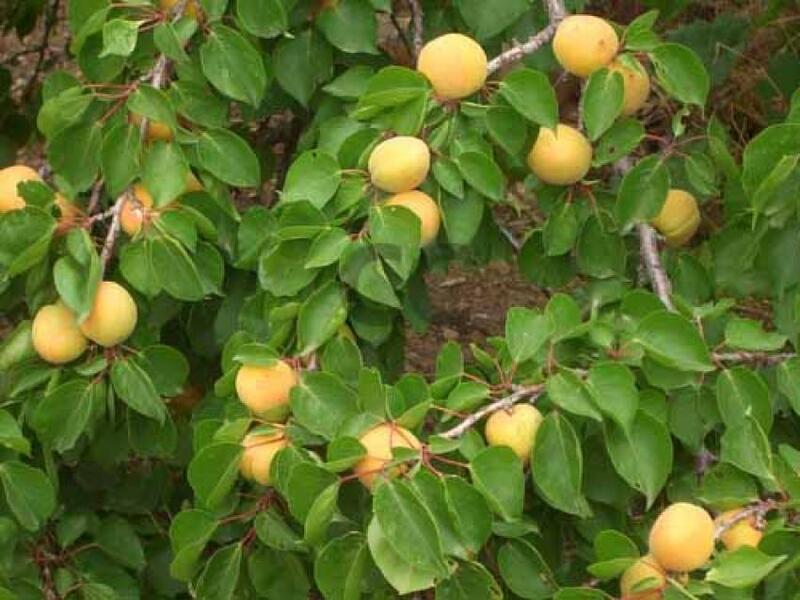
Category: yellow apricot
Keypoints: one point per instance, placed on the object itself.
(426, 210)
(741, 533)
(10, 177)
(68, 210)
(132, 215)
(515, 428)
(644, 568)
(113, 316)
(265, 390)
(56, 335)
(399, 164)
(191, 10)
(454, 64)
(682, 537)
(636, 83)
(560, 157)
(193, 184)
(378, 442)
(584, 43)
(259, 452)
(679, 218)
(156, 130)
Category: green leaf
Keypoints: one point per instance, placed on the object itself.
(742, 393)
(320, 515)
(482, 173)
(229, 158)
(364, 273)
(170, 41)
(613, 388)
(322, 403)
(789, 382)
(11, 435)
(530, 93)
(153, 104)
(557, 466)
(164, 172)
(327, 248)
(404, 577)
(116, 537)
(469, 511)
(302, 63)
(189, 533)
(620, 140)
(507, 128)
(497, 473)
(611, 544)
(78, 273)
(601, 253)
(66, 411)
(527, 331)
(395, 234)
(233, 65)
(29, 494)
(119, 159)
(74, 153)
(350, 25)
(746, 446)
(175, 270)
(25, 237)
(462, 216)
(213, 472)
(643, 192)
(119, 37)
(524, 571)
(488, 19)
(561, 230)
(601, 101)
(747, 334)
(569, 393)
(681, 73)
(314, 176)
(266, 18)
(220, 577)
(321, 316)
(340, 567)
(391, 86)
(674, 342)
(742, 568)
(134, 386)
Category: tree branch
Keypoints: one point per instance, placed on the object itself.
(648, 243)
(759, 510)
(416, 20)
(113, 230)
(556, 12)
(758, 358)
(531, 393)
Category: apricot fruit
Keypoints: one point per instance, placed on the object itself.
(643, 569)
(399, 164)
(193, 184)
(191, 10)
(10, 177)
(584, 43)
(265, 390)
(378, 442)
(132, 215)
(636, 84)
(259, 452)
(56, 335)
(68, 210)
(682, 537)
(741, 533)
(113, 316)
(454, 64)
(515, 428)
(679, 218)
(426, 210)
(156, 130)
(560, 157)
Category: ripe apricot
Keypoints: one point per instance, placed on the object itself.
(133, 214)
(584, 43)
(193, 184)
(378, 443)
(259, 452)
(113, 316)
(10, 177)
(68, 210)
(56, 335)
(265, 390)
(679, 218)
(560, 157)
(454, 64)
(399, 164)
(682, 537)
(644, 568)
(426, 210)
(156, 130)
(515, 428)
(636, 83)
(741, 533)
(191, 10)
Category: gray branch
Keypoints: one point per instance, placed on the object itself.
(530, 393)
(648, 242)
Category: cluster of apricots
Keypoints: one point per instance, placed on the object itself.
(681, 540)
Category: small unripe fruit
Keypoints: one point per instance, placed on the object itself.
(426, 210)
(265, 390)
(454, 64)
(378, 442)
(259, 452)
(679, 218)
(584, 43)
(56, 335)
(10, 177)
(741, 533)
(682, 537)
(644, 568)
(191, 9)
(156, 130)
(515, 428)
(560, 157)
(636, 83)
(133, 214)
(113, 316)
(399, 164)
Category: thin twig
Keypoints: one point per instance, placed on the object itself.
(416, 20)
(531, 393)
(662, 286)
(757, 358)
(759, 510)
(556, 12)
(94, 199)
(113, 230)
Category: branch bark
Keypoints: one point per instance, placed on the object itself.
(530, 393)
(556, 12)
(758, 510)
(662, 286)
(757, 358)
(113, 231)
(416, 21)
